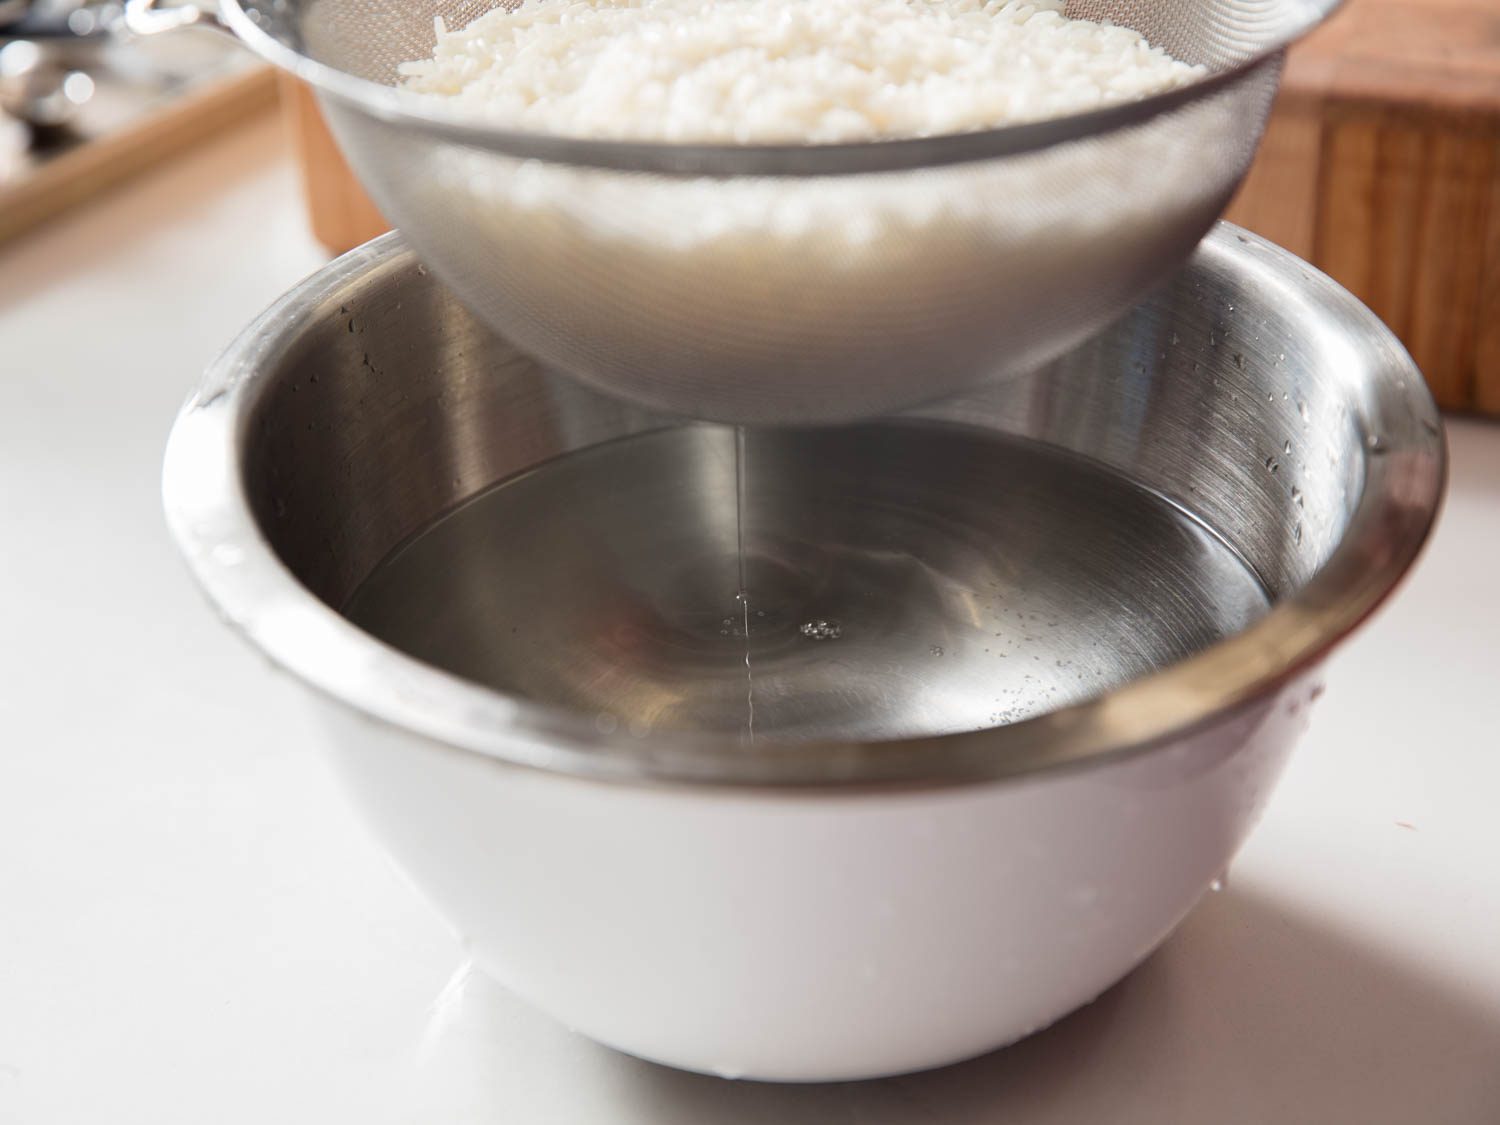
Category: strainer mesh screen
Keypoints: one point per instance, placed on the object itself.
(837, 295)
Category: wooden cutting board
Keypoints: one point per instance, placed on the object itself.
(187, 114)
(1381, 165)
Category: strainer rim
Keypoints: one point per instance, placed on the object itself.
(404, 109)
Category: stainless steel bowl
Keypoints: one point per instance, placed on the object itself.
(1022, 666)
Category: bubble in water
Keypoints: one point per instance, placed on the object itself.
(821, 630)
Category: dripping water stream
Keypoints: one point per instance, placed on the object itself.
(742, 595)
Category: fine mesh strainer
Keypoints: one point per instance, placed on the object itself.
(789, 284)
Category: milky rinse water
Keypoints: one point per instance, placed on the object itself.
(897, 579)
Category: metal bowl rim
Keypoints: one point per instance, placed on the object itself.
(211, 520)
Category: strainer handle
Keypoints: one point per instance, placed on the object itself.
(145, 17)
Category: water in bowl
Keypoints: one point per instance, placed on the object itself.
(889, 580)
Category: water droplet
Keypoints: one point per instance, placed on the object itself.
(936, 650)
(1174, 339)
(1270, 397)
(1297, 533)
(1375, 443)
(1286, 446)
(1272, 464)
(1239, 361)
(821, 630)
(1297, 496)
(1216, 885)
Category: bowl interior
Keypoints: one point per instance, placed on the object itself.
(1006, 554)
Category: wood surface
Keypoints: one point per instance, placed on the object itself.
(340, 213)
(1380, 165)
(81, 174)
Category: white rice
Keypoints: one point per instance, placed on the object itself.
(755, 282)
(785, 70)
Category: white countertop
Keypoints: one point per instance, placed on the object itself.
(193, 928)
